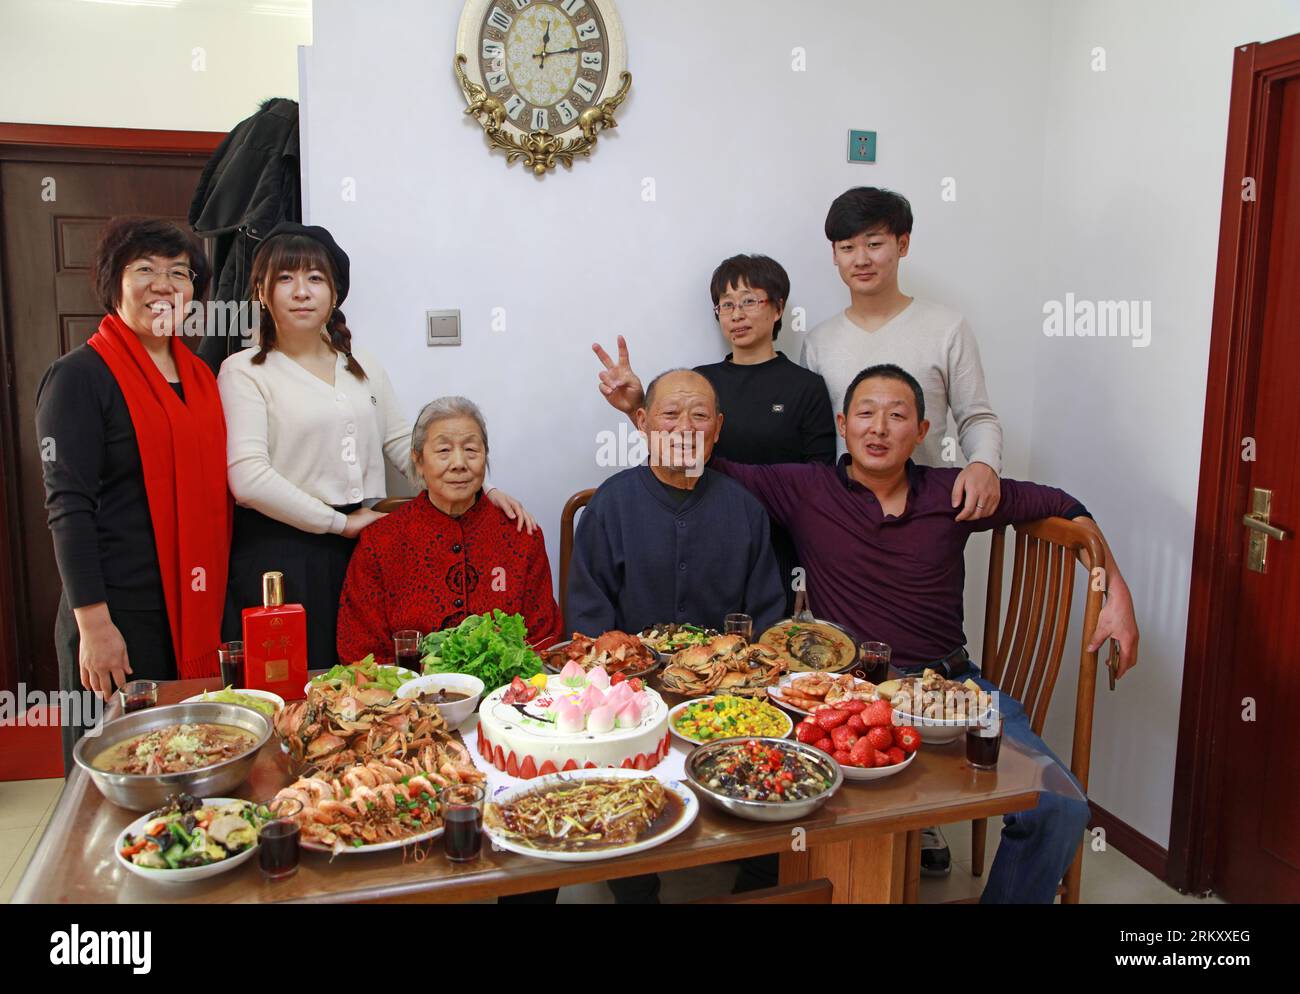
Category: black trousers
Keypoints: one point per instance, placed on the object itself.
(314, 568)
(149, 650)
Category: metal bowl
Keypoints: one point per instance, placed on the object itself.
(148, 792)
(765, 810)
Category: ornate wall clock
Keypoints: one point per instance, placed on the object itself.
(542, 77)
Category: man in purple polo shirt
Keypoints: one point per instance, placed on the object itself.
(884, 552)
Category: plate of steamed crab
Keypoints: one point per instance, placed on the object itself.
(726, 663)
(371, 767)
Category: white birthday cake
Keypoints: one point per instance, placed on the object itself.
(578, 721)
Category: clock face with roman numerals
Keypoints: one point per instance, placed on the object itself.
(546, 61)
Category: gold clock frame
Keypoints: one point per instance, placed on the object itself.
(539, 150)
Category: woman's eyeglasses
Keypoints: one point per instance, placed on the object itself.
(145, 274)
(747, 304)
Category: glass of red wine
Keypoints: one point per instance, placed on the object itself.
(462, 815)
(984, 742)
(138, 695)
(406, 649)
(231, 657)
(874, 660)
(279, 839)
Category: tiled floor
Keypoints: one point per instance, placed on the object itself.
(1108, 877)
(25, 807)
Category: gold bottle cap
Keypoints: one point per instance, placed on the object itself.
(272, 589)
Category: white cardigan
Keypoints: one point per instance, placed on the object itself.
(296, 447)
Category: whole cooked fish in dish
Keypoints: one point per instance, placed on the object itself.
(580, 814)
(815, 646)
(727, 663)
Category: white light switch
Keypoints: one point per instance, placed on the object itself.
(443, 327)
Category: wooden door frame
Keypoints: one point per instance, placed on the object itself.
(1259, 71)
(67, 144)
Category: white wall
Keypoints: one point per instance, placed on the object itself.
(79, 62)
(1132, 190)
(746, 155)
(1105, 184)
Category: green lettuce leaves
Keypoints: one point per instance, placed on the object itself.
(492, 647)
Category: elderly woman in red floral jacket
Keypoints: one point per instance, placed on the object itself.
(447, 553)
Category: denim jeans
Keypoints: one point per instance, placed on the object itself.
(1039, 844)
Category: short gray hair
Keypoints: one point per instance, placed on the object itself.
(440, 410)
(650, 390)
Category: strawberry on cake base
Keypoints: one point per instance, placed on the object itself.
(578, 721)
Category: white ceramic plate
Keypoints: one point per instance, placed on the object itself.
(672, 724)
(265, 695)
(377, 847)
(508, 792)
(401, 671)
(859, 774)
(188, 874)
(775, 692)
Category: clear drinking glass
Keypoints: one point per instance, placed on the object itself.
(231, 655)
(874, 659)
(739, 624)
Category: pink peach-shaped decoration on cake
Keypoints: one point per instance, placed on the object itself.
(599, 678)
(569, 718)
(573, 675)
(629, 716)
(619, 695)
(591, 699)
(601, 720)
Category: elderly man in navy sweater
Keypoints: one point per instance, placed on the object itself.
(669, 541)
(883, 544)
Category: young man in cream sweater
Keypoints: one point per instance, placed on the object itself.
(870, 230)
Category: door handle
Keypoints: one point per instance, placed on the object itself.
(1261, 529)
(1259, 523)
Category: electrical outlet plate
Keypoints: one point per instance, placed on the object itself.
(862, 146)
(442, 327)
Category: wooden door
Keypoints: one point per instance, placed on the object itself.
(53, 202)
(1236, 824)
(1259, 856)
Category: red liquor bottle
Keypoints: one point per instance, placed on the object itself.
(275, 642)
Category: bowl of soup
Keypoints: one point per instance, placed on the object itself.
(456, 694)
(205, 749)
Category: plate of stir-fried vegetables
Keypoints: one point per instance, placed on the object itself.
(586, 815)
(190, 839)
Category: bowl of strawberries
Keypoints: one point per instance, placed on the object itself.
(861, 736)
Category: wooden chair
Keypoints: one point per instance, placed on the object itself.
(567, 518)
(1025, 659)
(390, 504)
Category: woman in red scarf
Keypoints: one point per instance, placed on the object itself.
(134, 461)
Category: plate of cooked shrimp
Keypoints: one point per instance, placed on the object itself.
(804, 692)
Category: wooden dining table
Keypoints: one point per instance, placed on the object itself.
(858, 840)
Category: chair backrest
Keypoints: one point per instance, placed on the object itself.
(1025, 658)
(390, 504)
(567, 517)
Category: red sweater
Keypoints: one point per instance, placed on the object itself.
(419, 568)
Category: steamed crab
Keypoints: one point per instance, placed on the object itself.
(725, 663)
(337, 726)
